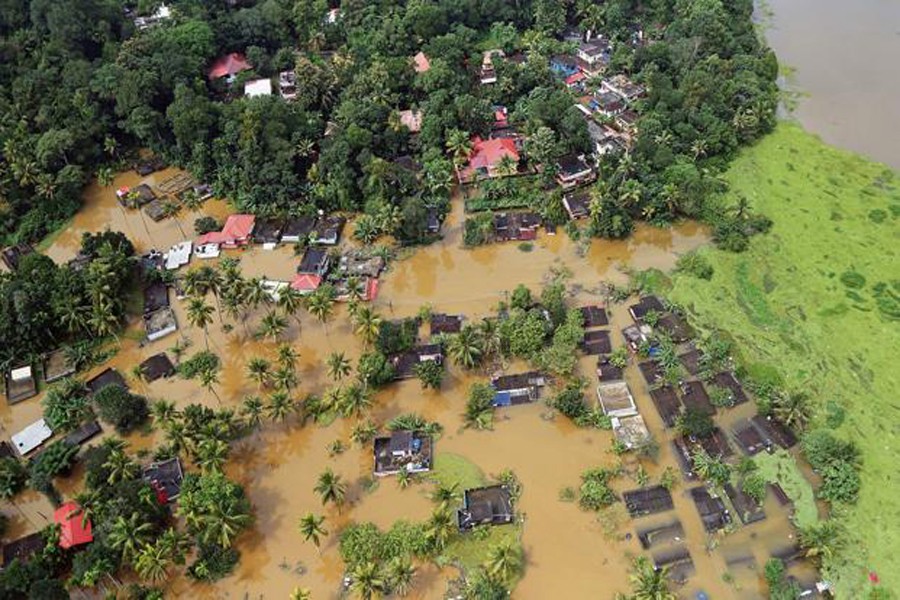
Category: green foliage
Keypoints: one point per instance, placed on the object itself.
(13, 476)
(754, 485)
(570, 402)
(695, 264)
(478, 230)
(213, 563)
(595, 492)
(374, 369)
(695, 423)
(837, 461)
(124, 410)
(524, 332)
(414, 422)
(362, 543)
(776, 578)
(215, 508)
(430, 373)
(479, 407)
(66, 405)
(202, 362)
(395, 337)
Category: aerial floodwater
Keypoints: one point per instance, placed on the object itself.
(842, 57)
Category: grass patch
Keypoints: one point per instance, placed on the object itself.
(51, 237)
(781, 468)
(470, 551)
(816, 298)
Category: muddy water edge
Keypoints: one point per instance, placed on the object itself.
(569, 553)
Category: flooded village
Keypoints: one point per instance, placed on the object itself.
(703, 539)
(391, 327)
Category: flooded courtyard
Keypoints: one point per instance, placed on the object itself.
(569, 553)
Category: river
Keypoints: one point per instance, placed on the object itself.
(843, 56)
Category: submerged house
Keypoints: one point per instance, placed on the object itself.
(648, 501)
(20, 384)
(421, 64)
(442, 323)
(228, 67)
(74, 529)
(267, 232)
(12, 255)
(517, 389)
(490, 505)
(593, 57)
(165, 477)
(573, 171)
(410, 451)
(646, 305)
(315, 261)
(488, 157)
(56, 365)
(712, 510)
(577, 204)
(156, 367)
(159, 324)
(106, 377)
(297, 229)
(615, 399)
(405, 363)
(236, 232)
(32, 437)
(327, 231)
(631, 431)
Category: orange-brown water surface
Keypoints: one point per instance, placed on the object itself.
(569, 553)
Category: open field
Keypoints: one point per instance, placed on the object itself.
(818, 300)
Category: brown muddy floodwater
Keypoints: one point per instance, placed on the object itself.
(843, 57)
(570, 553)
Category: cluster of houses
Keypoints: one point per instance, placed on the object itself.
(227, 68)
(717, 509)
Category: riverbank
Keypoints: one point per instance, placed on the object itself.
(818, 300)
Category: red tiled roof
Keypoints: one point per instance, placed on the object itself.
(422, 63)
(74, 530)
(306, 282)
(575, 78)
(237, 229)
(230, 64)
(487, 154)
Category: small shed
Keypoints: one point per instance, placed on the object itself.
(748, 510)
(667, 533)
(631, 431)
(74, 529)
(83, 434)
(490, 505)
(57, 365)
(108, 376)
(443, 323)
(160, 324)
(409, 451)
(20, 384)
(606, 371)
(165, 477)
(648, 501)
(645, 305)
(667, 404)
(678, 563)
(712, 510)
(691, 360)
(776, 431)
(156, 367)
(23, 548)
(31, 438)
(652, 371)
(596, 342)
(594, 316)
(13, 255)
(675, 327)
(694, 396)
(728, 381)
(749, 439)
(577, 204)
(156, 210)
(616, 399)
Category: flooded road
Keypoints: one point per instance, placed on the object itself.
(569, 553)
(844, 57)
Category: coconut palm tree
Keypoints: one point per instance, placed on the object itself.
(460, 146)
(400, 572)
(355, 400)
(287, 356)
(649, 583)
(260, 371)
(367, 325)
(331, 488)
(445, 495)
(821, 541)
(506, 166)
(120, 467)
(320, 304)
(332, 399)
(252, 410)
(366, 229)
(223, 522)
(338, 366)
(199, 314)
(212, 453)
(312, 530)
(465, 347)
(129, 535)
(363, 432)
(164, 412)
(792, 409)
(272, 326)
(170, 209)
(366, 581)
(439, 528)
(490, 338)
(290, 300)
(301, 594)
(152, 562)
(284, 378)
(504, 562)
(176, 544)
(280, 406)
(209, 378)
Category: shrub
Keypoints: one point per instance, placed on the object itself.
(66, 405)
(12, 477)
(754, 485)
(396, 337)
(595, 492)
(570, 402)
(695, 264)
(720, 396)
(430, 373)
(374, 369)
(696, 423)
(479, 407)
(201, 362)
(124, 410)
(205, 225)
(214, 563)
